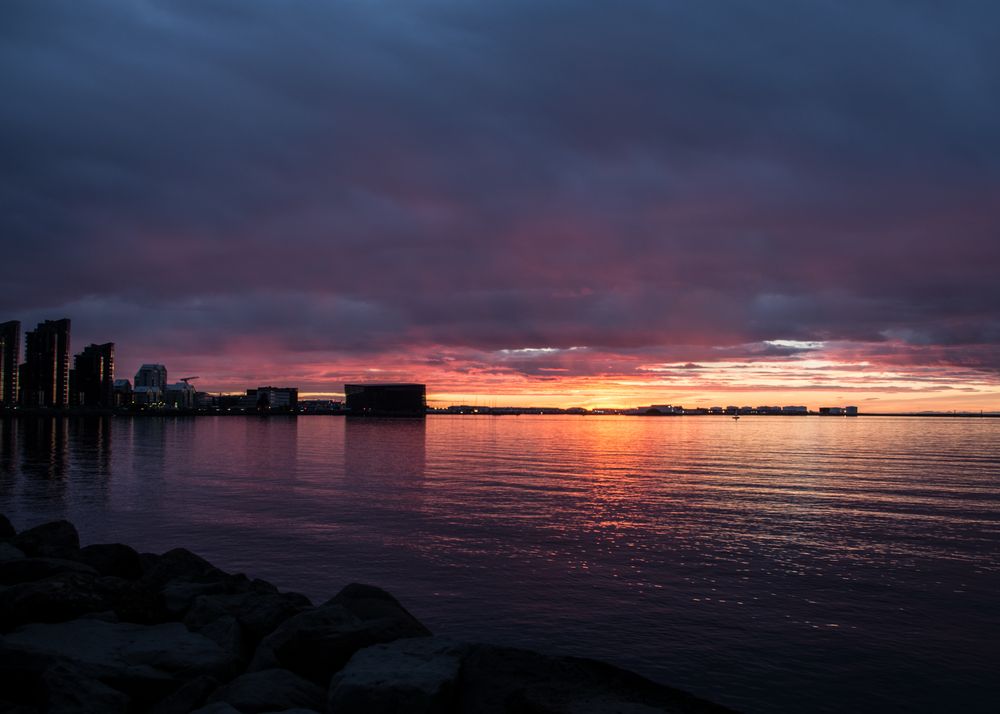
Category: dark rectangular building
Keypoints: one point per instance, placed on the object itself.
(386, 400)
(45, 373)
(93, 377)
(10, 358)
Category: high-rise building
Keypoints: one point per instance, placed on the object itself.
(93, 377)
(10, 356)
(44, 376)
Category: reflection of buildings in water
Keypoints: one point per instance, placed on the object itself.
(271, 445)
(389, 451)
(38, 458)
(8, 452)
(90, 445)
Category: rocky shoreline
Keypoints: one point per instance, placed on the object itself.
(106, 629)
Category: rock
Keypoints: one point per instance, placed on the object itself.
(371, 603)
(317, 643)
(57, 539)
(188, 697)
(54, 599)
(497, 680)
(227, 632)
(180, 564)
(21, 677)
(147, 662)
(74, 594)
(113, 559)
(70, 692)
(216, 708)
(259, 613)
(9, 552)
(418, 675)
(179, 595)
(270, 690)
(23, 570)
(6, 528)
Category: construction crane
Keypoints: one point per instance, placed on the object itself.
(187, 380)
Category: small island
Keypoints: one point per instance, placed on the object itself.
(104, 628)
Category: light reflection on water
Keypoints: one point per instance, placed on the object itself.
(774, 564)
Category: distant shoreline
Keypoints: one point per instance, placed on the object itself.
(147, 413)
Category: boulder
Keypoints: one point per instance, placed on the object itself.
(55, 599)
(188, 697)
(179, 564)
(57, 539)
(9, 552)
(259, 613)
(6, 528)
(497, 680)
(217, 708)
(68, 691)
(317, 643)
(115, 559)
(23, 570)
(371, 603)
(418, 675)
(271, 690)
(147, 662)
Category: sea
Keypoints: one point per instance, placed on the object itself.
(771, 564)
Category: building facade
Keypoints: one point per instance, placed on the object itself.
(150, 385)
(92, 382)
(10, 358)
(44, 375)
(386, 400)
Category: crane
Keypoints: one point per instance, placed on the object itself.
(187, 380)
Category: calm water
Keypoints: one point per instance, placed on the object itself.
(771, 564)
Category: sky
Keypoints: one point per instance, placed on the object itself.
(520, 202)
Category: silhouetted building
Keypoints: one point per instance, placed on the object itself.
(274, 398)
(179, 395)
(850, 411)
(44, 376)
(92, 379)
(122, 393)
(386, 400)
(10, 356)
(150, 385)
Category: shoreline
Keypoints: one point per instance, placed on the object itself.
(103, 628)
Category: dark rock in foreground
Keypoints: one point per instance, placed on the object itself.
(105, 629)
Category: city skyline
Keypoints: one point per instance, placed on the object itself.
(517, 203)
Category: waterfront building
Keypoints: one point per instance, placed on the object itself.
(850, 411)
(122, 393)
(10, 356)
(795, 410)
(274, 398)
(179, 395)
(44, 375)
(831, 411)
(386, 400)
(150, 385)
(93, 376)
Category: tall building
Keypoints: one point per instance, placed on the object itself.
(386, 400)
(150, 384)
(10, 357)
(44, 376)
(93, 377)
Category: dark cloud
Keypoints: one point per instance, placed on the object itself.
(363, 177)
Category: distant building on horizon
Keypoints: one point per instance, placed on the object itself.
(44, 375)
(386, 400)
(180, 395)
(92, 379)
(10, 357)
(122, 393)
(150, 385)
(273, 398)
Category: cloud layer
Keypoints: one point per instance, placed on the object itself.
(427, 186)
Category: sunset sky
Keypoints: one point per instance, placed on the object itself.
(519, 202)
